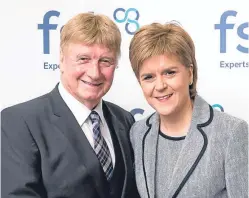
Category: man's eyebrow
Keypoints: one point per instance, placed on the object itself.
(81, 54)
(107, 57)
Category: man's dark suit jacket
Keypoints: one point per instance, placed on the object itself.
(46, 154)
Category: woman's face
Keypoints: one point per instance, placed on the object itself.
(165, 83)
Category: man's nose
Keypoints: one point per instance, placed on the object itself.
(94, 71)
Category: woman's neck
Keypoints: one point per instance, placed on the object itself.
(178, 123)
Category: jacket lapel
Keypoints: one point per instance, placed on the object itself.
(149, 153)
(123, 140)
(67, 124)
(193, 147)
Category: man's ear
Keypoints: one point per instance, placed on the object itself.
(61, 61)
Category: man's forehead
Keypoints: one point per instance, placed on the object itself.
(98, 49)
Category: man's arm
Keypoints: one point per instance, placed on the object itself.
(21, 171)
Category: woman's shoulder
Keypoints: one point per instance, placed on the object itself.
(227, 118)
(145, 122)
(139, 124)
(142, 125)
(229, 122)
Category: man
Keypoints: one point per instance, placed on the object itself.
(70, 143)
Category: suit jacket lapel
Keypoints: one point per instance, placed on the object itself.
(66, 122)
(193, 147)
(123, 140)
(187, 161)
(149, 153)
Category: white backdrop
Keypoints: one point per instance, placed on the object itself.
(24, 66)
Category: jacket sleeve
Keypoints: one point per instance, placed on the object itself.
(236, 162)
(20, 166)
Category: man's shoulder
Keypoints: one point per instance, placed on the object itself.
(27, 108)
(120, 113)
(116, 108)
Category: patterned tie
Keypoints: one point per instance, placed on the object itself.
(100, 147)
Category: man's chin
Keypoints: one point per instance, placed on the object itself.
(94, 100)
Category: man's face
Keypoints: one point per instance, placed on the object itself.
(87, 71)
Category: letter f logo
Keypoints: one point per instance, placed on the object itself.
(46, 26)
(223, 26)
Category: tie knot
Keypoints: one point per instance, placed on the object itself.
(94, 116)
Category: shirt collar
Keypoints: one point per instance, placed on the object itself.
(79, 110)
(99, 110)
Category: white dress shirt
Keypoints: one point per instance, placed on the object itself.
(81, 113)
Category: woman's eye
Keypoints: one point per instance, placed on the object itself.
(147, 77)
(170, 73)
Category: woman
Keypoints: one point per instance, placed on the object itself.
(186, 148)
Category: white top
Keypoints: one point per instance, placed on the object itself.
(81, 113)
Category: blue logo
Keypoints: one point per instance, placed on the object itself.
(139, 111)
(46, 27)
(126, 19)
(218, 106)
(224, 26)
